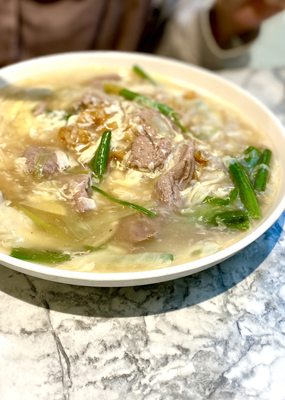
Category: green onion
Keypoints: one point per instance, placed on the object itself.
(167, 257)
(142, 74)
(136, 207)
(234, 219)
(130, 95)
(98, 164)
(148, 102)
(251, 156)
(67, 115)
(245, 188)
(112, 88)
(219, 201)
(262, 174)
(230, 217)
(41, 256)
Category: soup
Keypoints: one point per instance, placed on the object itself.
(119, 171)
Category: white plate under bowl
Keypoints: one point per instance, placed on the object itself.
(207, 83)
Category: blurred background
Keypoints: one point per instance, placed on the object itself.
(269, 50)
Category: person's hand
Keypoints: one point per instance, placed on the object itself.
(234, 18)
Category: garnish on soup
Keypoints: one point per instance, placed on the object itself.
(125, 172)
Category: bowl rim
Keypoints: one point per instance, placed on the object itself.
(151, 275)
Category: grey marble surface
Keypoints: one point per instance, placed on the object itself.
(218, 335)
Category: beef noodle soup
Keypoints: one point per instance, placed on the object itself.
(118, 171)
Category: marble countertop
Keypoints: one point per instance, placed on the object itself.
(217, 335)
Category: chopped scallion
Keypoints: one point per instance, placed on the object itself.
(41, 256)
(136, 207)
(245, 188)
(142, 74)
(99, 162)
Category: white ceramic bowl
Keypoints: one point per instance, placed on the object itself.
(207, 83)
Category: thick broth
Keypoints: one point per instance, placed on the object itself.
(64, 117)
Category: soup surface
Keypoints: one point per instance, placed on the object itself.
(119, 171)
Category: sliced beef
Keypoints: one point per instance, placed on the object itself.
(152, 123)
(78, 190)
(90, 98)
(95, 95)
(169, 185)
(167, 191)
(145, 120)
(137, 228)
(184, 168)
(41, 161)
(148, 153)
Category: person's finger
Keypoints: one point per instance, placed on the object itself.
(253, 16)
